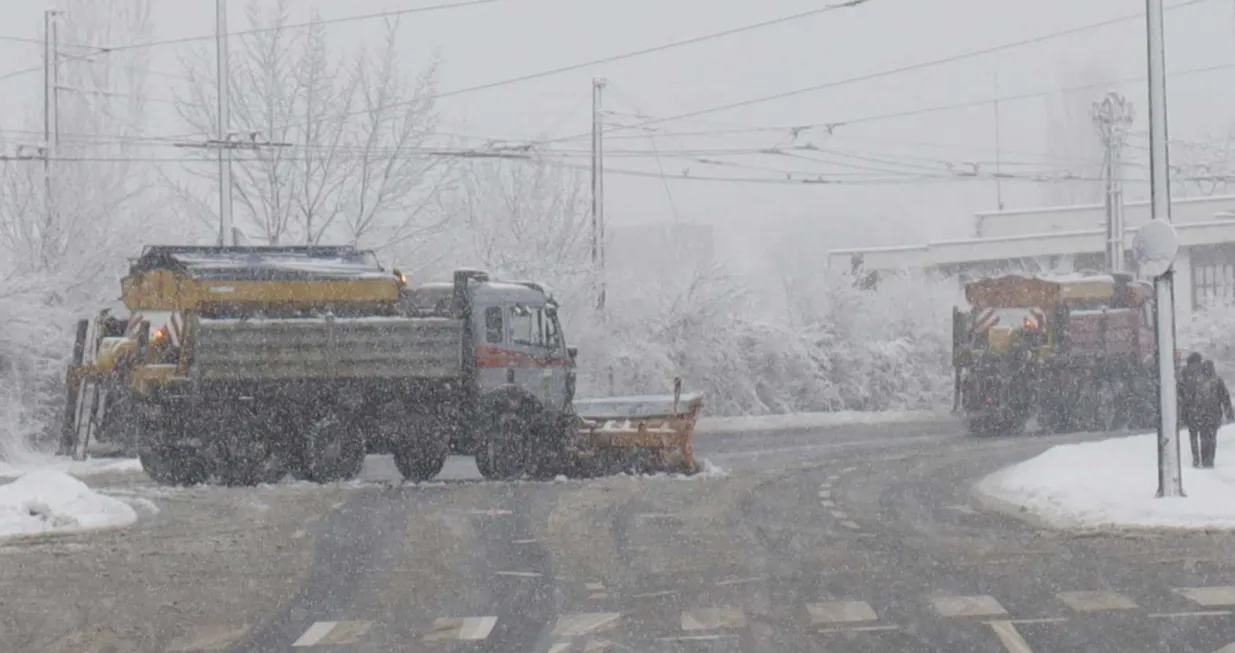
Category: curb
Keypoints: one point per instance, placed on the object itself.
(758, 426)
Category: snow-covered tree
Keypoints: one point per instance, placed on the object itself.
(60, 252)
(356, 127)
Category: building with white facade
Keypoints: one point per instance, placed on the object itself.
(1071, 238)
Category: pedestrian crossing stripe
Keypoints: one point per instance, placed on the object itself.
(575, 631)
(466, 629)
(1209, 597)
(968, 606)
(834, 612)
(713, 618)
(1096, 601)
(331, 633)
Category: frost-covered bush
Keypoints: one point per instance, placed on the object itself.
(886, 349)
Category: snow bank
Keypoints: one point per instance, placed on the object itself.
(50, 501)
(807, 421)
(30, 462)
(1112, 483)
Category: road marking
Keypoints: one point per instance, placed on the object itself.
(832, 478)
(738, 581)
(466, 628)
(962, 508)
(1010, 636)
(833, 612)
(527, 541)
(968, 606)
(694, 638)
(840, 514)
(656, 515)
(1229, 648)
(653, 595)
(333, 632)
(825, 494)
(828, 503)
(1209, 596)
(1198, 613)
(584, 623)
(598, 596)
(1031, 620)
(519, 574)
(490, 513)
(207, 638)
(857, 629)
(713, 618)
(559, 647)
(852, 525)
(1096, 601)
(594, 586)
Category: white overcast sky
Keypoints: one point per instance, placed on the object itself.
(515, 37)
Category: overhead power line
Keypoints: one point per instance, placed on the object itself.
(891, 115)
(902, 69)
(625, 55)
(255, 30)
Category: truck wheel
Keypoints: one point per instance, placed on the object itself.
(421, 463)
(169, 465)
(502, 454)
(330, 452)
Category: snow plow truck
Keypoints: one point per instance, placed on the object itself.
(243, 364)
(1077, 353)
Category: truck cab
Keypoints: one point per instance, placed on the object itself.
(517, 334)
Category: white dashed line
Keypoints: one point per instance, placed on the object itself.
(851, 525)
(519, 574)
(833, 612)
(467, 628)
(840, 514)
(1096, 601)
(1010, 636)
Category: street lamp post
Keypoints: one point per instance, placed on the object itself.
(1170, 481)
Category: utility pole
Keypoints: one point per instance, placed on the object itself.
(51, 126)
(598, 192)
(227, 237)
(1170, 477)
(1112, 116)
(998, 151)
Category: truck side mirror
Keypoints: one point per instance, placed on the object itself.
(573, 351)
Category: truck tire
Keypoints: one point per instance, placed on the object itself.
(330, 451)
(505, 447)
(168, 464)
(418, 464)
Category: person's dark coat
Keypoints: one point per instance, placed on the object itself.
(1211, 399)
(1189, 376)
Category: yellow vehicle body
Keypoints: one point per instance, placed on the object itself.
(654, 433)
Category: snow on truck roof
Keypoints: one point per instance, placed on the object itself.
(265, 263)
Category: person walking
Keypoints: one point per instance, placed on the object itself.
(1189, 376)
(1212, 403)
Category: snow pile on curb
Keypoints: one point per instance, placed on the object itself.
(35, 462)
(808, 421)
(1112, 483)
(47, 501)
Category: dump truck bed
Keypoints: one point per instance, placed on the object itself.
(343, 348)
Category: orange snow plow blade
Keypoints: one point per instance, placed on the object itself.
(643, 434)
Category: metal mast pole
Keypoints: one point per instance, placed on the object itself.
(998, 151)
(598, 192)
(226, 234)
(1112, 115)
(50, 71)
(1170, 481)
